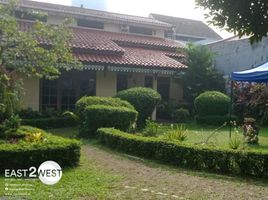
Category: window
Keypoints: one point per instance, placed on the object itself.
(49, 94)
(33, 15)
(121, 82)
(148, 81)
(90, 23)
(140, 30)
(163, 85)
(87, 87)
(68, 97)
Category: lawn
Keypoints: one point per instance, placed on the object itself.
(197, 134)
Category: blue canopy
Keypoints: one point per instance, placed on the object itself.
(258, 74)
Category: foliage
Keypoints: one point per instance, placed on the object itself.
(215, 119)
(240, 17)
(242, 163)
(235, 141)
(86, 101)
(144, 101)
(165, 110)
(181, 115)
(251, 100)
(200, 75)
(250, 133)
(21, 53)
(107, 116)
(11, 125)
(51, 122)
(178, 133)
(151, 128)
(212, 103)
(25, 153)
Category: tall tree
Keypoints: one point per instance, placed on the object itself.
(200, 75)
(23, 51)
(243, 17)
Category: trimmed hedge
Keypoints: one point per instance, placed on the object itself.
(215, 120)
(143, 99)
(24, 154)
(86, 101)
(98, 116)
(53, 122)
(212, 103)
(243, 163)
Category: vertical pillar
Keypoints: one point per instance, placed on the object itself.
(155, 88)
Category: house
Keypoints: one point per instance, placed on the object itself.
(238, 54)
(118, 52)
(187, 30)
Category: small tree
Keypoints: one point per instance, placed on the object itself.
(27, 52)
(200, 75)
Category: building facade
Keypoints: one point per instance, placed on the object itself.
(117, 51)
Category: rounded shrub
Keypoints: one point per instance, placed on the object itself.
(86, 101)
(181, 115)
(143, 99)
(97, 116)
(212, 103)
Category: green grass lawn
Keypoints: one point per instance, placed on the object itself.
(199, 133)
(85, 181)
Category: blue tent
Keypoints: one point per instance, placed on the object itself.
(258, 74)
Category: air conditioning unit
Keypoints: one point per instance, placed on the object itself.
(124, 28)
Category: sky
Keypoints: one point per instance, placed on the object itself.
(176, 8)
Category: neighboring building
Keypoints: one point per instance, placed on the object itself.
(234, 54)
(188, 30)
(118, 52)
(92, 4)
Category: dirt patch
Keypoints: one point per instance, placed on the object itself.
(142, 180)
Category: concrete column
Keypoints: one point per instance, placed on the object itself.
(155, 88)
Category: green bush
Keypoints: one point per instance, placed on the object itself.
(243, 163)
(24, 154)
(181, 115)
(85, 101)
(143, 99)
(98, 116)
(151, 129)
(215, 120)
(212, 103)
(52, 122)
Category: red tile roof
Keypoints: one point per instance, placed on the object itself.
(103, 47)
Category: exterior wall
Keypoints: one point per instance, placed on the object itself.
(105, 83)
(160, 33)
(111, 27)
(176, 90)
(238, 55)
(30, 96)
(53, 19)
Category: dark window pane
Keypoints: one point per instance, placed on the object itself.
(148, 81)
(90, 23)
(121, 82)
(163, 85)
(140, 30)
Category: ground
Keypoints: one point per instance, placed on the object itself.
(107, 174)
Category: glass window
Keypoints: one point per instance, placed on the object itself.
(121, 82)
(163, 85)
(140, 30)
(90, 23)
(148, 81)
(68, 97)
(87, 87)
(49, 94)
